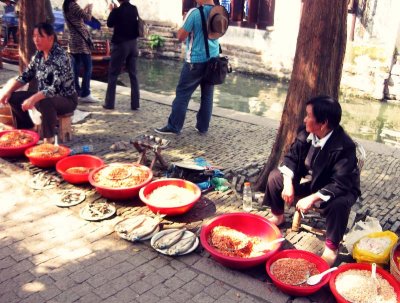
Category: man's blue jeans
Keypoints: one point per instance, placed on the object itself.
(85, 60)
(191, 77)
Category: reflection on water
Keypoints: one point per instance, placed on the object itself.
(366, 119)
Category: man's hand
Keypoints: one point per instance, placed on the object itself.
(306, 203)
(112, 6)
(288, 190)
(182, 34)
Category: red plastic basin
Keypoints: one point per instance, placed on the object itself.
(121, 193)
(88, 161)
(363, 266)
(249, 224)
(18, 151)
(47, 161)
(169, 210)
(296, 254)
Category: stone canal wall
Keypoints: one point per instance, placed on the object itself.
(371, 49)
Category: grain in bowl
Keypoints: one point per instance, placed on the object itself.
(357, 286)
(121, 176)
(170, 196)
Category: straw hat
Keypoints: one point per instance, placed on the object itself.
(217, 22)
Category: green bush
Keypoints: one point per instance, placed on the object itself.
(156, 41)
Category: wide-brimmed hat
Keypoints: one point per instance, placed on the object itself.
(217, 22)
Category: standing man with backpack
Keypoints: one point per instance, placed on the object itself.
(124, 20)
(195, 65)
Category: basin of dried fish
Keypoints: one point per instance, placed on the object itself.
(77, 170)
(13, 143)
(250, 226)
(174, 242)
(233, 243)
(120, 180)
(15, 139)
(121, 176)
(46, 155)
(97, 211)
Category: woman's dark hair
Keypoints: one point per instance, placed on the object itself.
(326, 108)
(46, 28)
(66, 4)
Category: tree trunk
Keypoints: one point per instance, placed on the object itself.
(317, 70)
(30, 13)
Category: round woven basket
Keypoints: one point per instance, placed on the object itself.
(394, 270)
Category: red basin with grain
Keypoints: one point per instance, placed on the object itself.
(251, 225)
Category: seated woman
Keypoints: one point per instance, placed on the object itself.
(325, 156)
(52, 68)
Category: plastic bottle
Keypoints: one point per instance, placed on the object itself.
(82, 149)
(247, 197)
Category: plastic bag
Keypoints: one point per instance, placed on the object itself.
(359, 230)
(375, 247)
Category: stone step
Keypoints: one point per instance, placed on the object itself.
(238, 49)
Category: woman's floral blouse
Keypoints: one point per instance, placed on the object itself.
(55, 75)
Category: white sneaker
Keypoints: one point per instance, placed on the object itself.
(88, 99)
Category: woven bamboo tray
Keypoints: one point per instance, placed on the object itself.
(394, 270)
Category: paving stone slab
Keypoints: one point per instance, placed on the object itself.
(232, 144)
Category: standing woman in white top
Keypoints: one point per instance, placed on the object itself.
(79, 48)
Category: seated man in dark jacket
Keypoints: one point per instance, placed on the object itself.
(325, 156)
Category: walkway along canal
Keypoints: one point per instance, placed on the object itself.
(362, 118)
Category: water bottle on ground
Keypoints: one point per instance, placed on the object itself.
(247, 197)
(82, 149)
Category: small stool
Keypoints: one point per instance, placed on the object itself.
(65, 127)
(144, 143)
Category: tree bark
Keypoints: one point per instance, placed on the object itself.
(317, 70)
(30, 13)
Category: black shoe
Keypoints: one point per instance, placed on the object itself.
(165, 131)
(134, 108)
(107, 107)
(200, 132)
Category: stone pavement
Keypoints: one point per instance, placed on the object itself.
(49, 254)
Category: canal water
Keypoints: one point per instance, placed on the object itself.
(362, 118)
